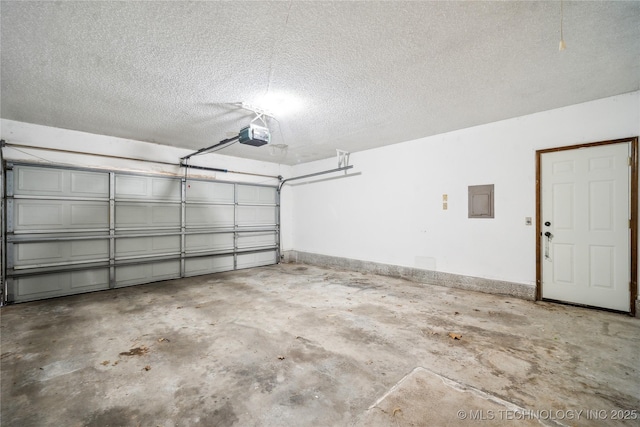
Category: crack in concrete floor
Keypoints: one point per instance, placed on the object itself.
(423, 397)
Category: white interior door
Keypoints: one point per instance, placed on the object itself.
(585, 226)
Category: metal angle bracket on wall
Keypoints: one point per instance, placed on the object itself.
(284, 181)
(343, 158)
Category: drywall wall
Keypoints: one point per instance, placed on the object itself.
(389, 208)
(105, 151)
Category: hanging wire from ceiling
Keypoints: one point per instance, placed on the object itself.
(279, 149)
(277, 41)
(562, 46)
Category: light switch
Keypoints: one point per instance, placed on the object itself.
(527, 220)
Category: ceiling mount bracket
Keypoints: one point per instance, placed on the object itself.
(260, 116)
(261, 113)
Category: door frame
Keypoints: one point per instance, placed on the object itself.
(633, 241)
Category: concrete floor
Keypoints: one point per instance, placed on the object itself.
(295, 345)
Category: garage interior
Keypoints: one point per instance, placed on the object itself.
(319, 213)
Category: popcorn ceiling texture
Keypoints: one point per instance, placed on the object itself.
(367, 73)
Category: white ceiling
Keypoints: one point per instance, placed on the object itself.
(362, 74)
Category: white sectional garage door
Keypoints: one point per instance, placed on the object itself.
(72, 231)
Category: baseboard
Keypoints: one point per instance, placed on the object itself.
(479, 284)
(288, 256)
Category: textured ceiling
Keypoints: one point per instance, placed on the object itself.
(360, 74)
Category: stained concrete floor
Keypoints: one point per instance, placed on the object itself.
(295, 345)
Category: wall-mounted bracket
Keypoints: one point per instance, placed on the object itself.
(343, 158)
(284, 181)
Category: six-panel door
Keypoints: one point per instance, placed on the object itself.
(585, 226)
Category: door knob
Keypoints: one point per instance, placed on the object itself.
(548, 234)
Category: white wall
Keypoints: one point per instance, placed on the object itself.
(101, 147)
(390, 210)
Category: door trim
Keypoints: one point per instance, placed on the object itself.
(633, 283)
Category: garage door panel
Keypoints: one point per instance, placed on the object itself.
(165, 189)
(90, 248)
(89, 279)
(131, 215)
(256, 259)
(34, 253)
(153, 245)
(131, 186)
(147, 188)
(143, 215)
(254, 240)
(208, 265)
(31, 288)
(165, 215)
(208, 242)
(88, 215)
(70, 232)
(147, 273)
(60, 215)
(251, 194)
(252, 216)
(210, 192)
(41, 181)
(38, 214)
(89, 184)
(209, 216)
(46, 285)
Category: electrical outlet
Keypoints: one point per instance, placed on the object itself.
(444, 206)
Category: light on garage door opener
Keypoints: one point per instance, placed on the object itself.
(254, 135)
